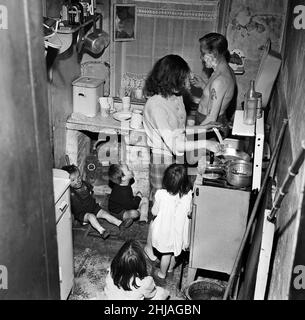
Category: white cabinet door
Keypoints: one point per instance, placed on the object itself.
(65, 253)
(218, 225)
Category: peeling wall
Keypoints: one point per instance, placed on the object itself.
(65, 70)
(251, 23)
(288, 101)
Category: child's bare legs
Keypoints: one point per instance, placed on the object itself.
(143, 208)
(108, 217)
(172, 264)
(148, 247)
(91, 218)
(164, 264)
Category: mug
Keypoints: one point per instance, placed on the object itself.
(111, 104)
(136, 119)
(105, 107)
(126, 103)
(138, 93)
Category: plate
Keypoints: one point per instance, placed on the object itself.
(122, 115)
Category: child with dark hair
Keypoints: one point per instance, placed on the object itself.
(128, 278)
(84, 207)
(170, 227)
(122, 202)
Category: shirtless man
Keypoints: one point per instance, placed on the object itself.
(219, 89)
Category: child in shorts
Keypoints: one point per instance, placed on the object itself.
(84, 207)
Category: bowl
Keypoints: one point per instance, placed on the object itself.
(122, 115)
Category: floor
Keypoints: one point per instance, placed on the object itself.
(93, 256)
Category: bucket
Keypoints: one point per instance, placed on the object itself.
(204, 290)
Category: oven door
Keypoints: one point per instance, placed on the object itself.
(218, 225)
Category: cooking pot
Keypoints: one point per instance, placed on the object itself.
(239, 173)
(228, 153)
(210, 165)
(94, 42)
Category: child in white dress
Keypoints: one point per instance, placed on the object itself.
(170, 227)
(127, 278)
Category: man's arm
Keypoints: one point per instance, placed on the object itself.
(217, 93)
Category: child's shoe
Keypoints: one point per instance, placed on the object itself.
(126, 224)
(105, 235)
(95, 233)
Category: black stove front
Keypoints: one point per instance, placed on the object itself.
(221, 182)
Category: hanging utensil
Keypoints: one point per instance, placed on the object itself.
(98, 40)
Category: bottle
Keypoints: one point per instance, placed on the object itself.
(250, 105)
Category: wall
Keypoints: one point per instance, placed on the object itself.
(28, 246)
(251, 23)
(65, 70)
(288, 101)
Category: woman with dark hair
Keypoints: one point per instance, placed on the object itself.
(165, 116)
(219, 89)
(128, 279)
(164, 122)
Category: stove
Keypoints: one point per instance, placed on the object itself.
(222, 182)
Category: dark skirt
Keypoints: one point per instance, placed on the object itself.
(157, 167)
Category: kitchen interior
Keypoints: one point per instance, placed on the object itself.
(69, 75)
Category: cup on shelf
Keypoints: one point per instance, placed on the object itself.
(126, 103)
(138, 93)
(136, 119)
(105, 106)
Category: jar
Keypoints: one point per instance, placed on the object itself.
(136, 119)
(250, 111)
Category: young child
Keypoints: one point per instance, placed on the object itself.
(170, 227)
(122, 202)
(85, 208)
(127, 278)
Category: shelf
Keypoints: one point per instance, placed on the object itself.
(72, 29)
(241, 129)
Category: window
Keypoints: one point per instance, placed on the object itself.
(162, 28)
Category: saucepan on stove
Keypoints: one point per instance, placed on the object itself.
(228, 153)
(239, 173)
(210, 167)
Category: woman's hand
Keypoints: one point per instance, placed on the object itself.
(197, 81)
(214, 146)
(212, 124)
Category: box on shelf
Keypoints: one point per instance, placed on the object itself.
(86, 91)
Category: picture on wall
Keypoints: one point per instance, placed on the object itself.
(124, 22)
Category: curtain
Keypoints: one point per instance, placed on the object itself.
(163, 29)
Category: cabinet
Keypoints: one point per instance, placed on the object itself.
(219, 219)
(219, 215)
(63, 216)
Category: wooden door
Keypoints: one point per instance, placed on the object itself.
(28, 247)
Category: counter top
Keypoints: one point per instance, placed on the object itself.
(98, 123)
(241, 129)
(61, 182)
